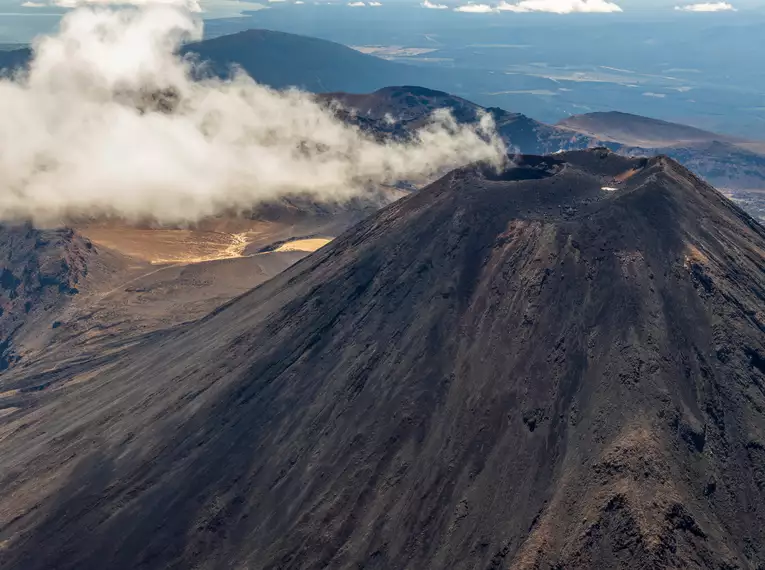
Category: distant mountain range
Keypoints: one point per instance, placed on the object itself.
(283, 60)
(280, 60)
(411, 107)
(732, 164)
(363, 83)
(635, 130)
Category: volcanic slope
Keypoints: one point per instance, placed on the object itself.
(561, 365)
(40, 273)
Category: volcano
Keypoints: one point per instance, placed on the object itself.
(559, 365)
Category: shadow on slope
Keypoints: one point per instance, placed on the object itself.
(525, 374)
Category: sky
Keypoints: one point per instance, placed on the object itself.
(22, 20)
(216, 7)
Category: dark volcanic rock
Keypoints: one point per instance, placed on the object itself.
(410, 107)
(506, 371)
(729, 163)
(38, 270)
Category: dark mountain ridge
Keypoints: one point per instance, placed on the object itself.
(731, 164)
(411, 106)
(283, 60)
(40, 270)
(523, 369)
(636, 130)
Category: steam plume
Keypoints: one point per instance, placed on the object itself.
(108, 121)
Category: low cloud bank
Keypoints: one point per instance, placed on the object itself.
(561, 6)
(108, 121)
(707, 7)
(547, 6)
(476, 8)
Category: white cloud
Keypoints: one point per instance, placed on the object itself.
(560, 6)
(475, 8)
(218, 8)
(375, 4)
(299, 2)
(191, 5)
(707, 7)
(276, 1)
(433, 6)
(356, 4)
(141, 138)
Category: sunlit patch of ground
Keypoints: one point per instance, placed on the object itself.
(213, 251)
(87, 376)
(620, 179)
(169, 245)
(303, 244)
(211, 240)
(173, 246)
(9, 394)
(393, 51)
(176, 246)
(626, 175)
(694, 255)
